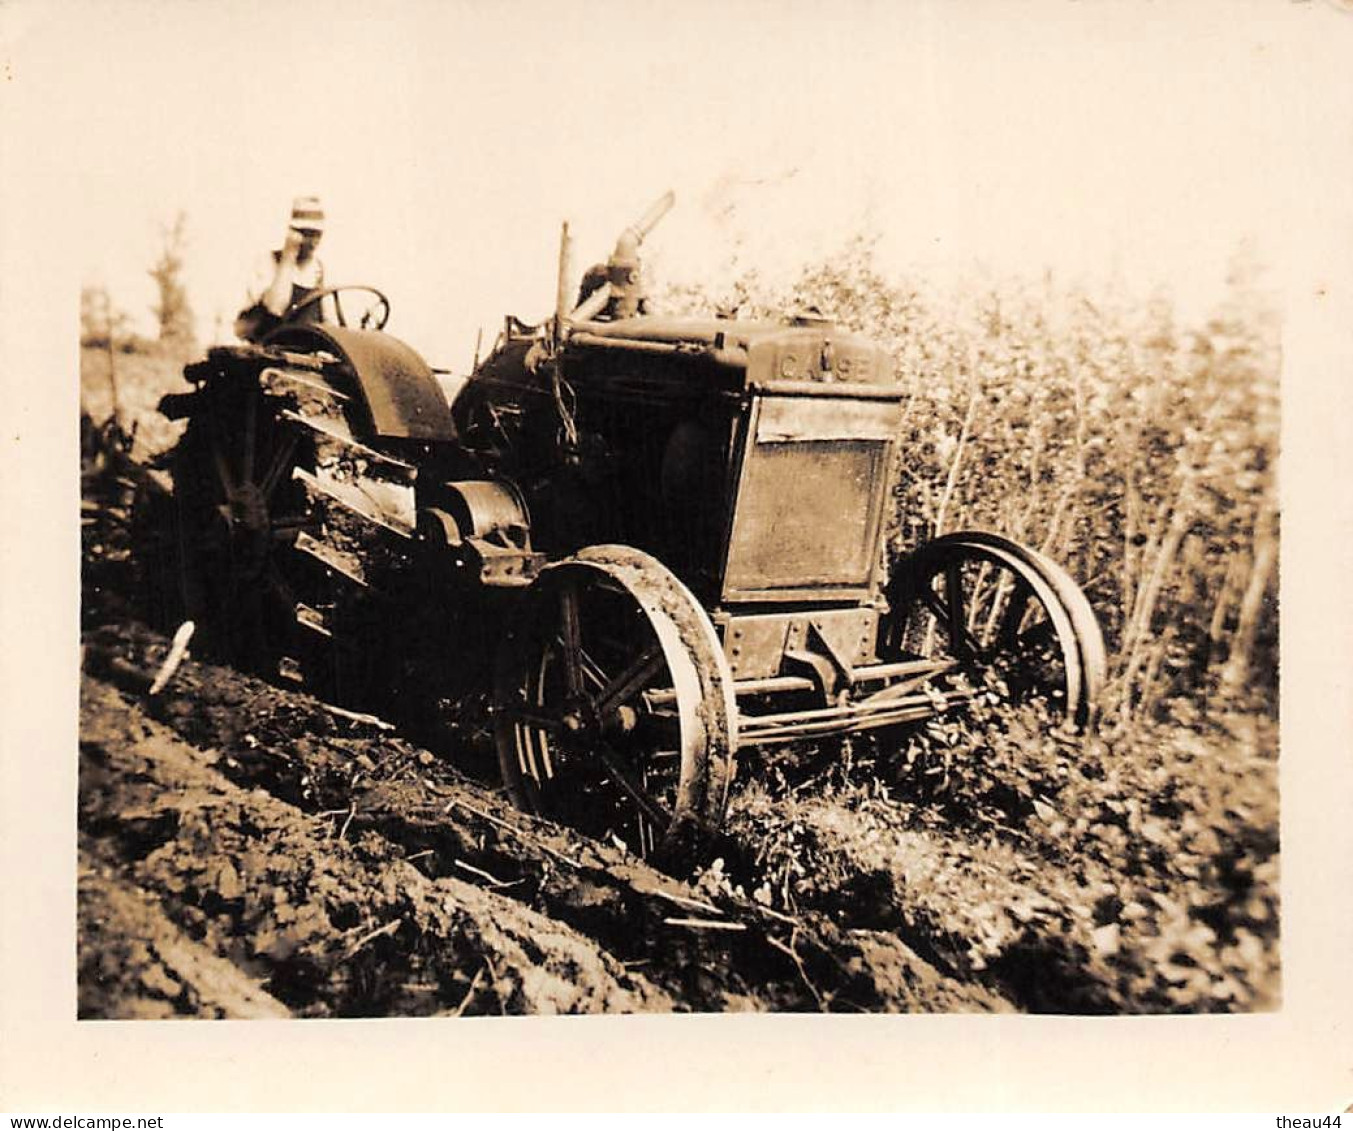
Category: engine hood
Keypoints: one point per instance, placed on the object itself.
(805, 350)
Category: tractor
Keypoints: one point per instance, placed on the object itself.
(626, 552)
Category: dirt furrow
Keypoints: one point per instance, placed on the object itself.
(330, 925)
(708, 950)
(135, 963)
(978, 911)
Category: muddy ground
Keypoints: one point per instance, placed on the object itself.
(246, 852)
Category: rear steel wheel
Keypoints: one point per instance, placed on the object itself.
(1001, 611)
(238, 509)
(614, 710)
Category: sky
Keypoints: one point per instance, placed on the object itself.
(1142, 141)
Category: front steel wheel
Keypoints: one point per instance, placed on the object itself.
(614, 710)
(1002, 611)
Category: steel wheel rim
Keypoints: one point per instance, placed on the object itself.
(1085, 625)
(1055, 651)
(635, 723)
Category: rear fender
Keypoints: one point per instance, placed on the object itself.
(402, 396)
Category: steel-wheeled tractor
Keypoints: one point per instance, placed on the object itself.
(624, 552)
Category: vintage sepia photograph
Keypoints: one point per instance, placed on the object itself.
(651, 568)
(765, 508)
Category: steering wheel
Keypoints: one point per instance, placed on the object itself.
(375, 314)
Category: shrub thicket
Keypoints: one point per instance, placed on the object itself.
(1141, 453)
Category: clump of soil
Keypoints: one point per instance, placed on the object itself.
(983, 912)
(346, 872)
(326, 925)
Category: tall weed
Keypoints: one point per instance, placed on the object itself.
(1141, 453)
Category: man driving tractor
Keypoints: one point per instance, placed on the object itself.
(296, 274)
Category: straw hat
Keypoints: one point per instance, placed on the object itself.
(307, 214)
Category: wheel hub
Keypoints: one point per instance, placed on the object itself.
(583, 720)
(247, 516)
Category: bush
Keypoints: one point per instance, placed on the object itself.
(1138, 452)
(1141, 454)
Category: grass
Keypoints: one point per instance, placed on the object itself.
(131, 383)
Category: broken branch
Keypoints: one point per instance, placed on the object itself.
(459, 804)
(707, 924)
(388, 929)
(178, 648)
(352, 812)
(358, 717)
(474, 985)
(492, 880)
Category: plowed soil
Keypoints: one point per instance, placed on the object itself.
(246, 852)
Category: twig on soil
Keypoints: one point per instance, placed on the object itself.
(794, 955)
(352, 812)
(474, 985)
(178, 648)
(707, 924)
(762, 909)
(457, 803)
(686, 901)
(389, 929)
(358, 717)
(494, 881)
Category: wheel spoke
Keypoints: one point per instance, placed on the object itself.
(625, 778)
(281, 457)
(1013, 617)
(277, 584)
(961, 641)
(932, 601)
(543, 741)
(630, 681)
(571, 637)
(953, 596)
(536, 743)
(222, 469)
(250, 440)
(541, 718)
(525, 755)
(286, 527)
(592, 670)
